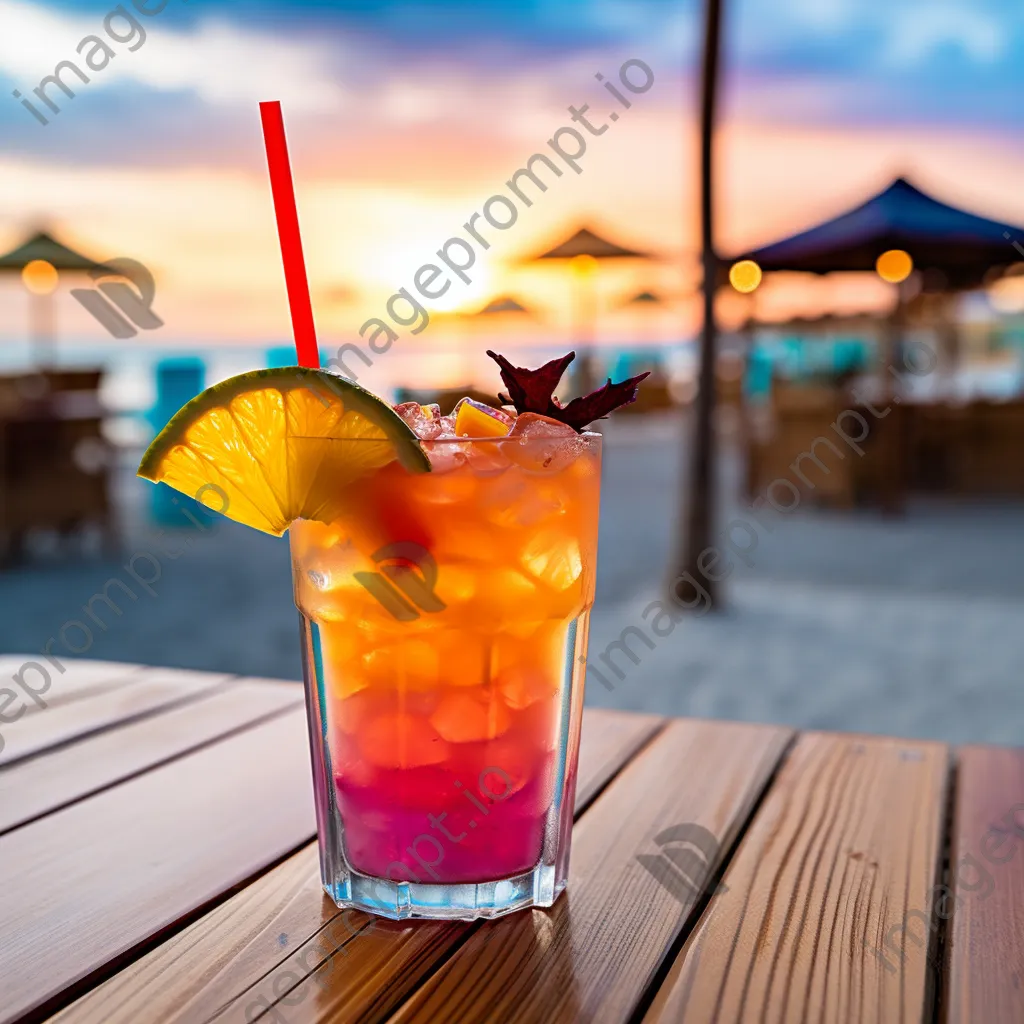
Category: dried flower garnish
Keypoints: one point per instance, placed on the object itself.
(533, 391)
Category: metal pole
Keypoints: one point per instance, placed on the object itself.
(43, 319)
(585, 328)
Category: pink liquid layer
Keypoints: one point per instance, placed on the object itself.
(439, 823)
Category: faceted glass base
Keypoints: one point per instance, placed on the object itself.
(401, 900)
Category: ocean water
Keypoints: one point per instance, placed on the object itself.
(129, 385)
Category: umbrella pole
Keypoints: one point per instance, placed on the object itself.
(43, 331)
(949, 332)
(893, 435)
(584, 331)
(699, 499)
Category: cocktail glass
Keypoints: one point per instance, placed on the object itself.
(444, 629)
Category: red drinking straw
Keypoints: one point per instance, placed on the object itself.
(288, 231)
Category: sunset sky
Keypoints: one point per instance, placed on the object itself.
(404, 118)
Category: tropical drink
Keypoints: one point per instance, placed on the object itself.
(450, 663)
(444, 571)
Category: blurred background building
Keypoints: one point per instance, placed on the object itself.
(867, 207)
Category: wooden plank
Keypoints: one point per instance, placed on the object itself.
(41, 785)
(191, 976)
(99, 878)
(986, 921)
(143, 694)
(845, 848)
(594, 955)
(80, 678)
(611, 740)
(233, 961)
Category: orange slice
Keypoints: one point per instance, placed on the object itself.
(271, 446)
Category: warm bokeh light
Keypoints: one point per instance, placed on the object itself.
(894, 265)
(40, 277)
(1007, 295)
(745, 276)
(583, 266)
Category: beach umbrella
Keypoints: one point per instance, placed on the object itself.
(954, 248)
(584, 251)
(893, 233)
(40, 260)
(896, 231)
(644, 299)
(503, 304)
(589, 243)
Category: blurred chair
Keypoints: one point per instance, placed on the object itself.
(654, 394)
(284, 355)
(281, 355)
(73, 381)
(799, 416)
(178, 380)
(757, 383)
(54, 460)
(986, 442)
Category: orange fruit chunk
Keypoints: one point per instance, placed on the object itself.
(472, 421)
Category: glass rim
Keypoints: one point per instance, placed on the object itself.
(586, 434)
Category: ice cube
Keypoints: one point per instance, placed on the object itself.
(523, 685)
(469, 717)
(533, 424)
(527, 509)
(456, 584)
(425, 420)
(411, 665)
(486, 458)
(401, 740)
(326, 585)
(506, 595)
(500, 493)
(446, 454)
(541, 444)
(553, 557)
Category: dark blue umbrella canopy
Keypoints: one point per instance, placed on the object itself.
(942, 239)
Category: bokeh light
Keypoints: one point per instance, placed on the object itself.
(1007, 295)
(40, 277)
(745, 276)
(894, 265)
(583, 266)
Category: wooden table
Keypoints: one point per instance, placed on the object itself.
(158, 865)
